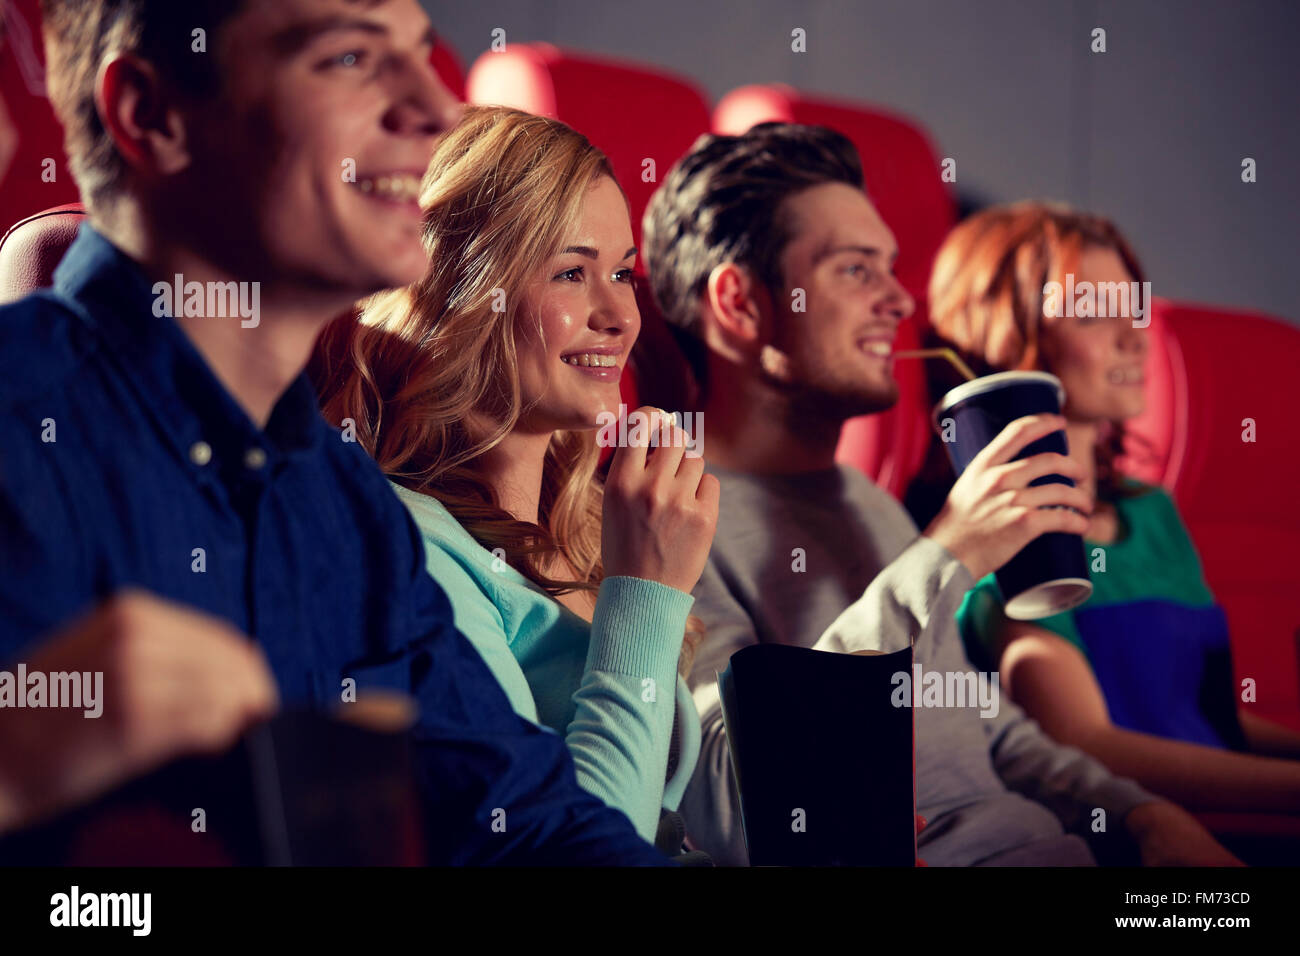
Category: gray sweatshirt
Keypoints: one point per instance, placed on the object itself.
(828, 560)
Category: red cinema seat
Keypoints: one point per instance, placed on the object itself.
(902, 174)
(32, 247)
(634, 114)
(1222, 375)
(644, 120)
(34, 173)
(447, 64)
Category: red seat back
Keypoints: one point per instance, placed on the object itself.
(633, 114)
(1228, 369)
(31, 140)
(447, 64)
(32, 247)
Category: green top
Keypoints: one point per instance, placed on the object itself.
(611, 686)
(1152, 558)
(1152, 633)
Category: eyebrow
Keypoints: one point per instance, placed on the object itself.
(827, 251)
(589, 253)
(294, 38)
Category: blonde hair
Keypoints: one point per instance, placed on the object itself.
(421, 363)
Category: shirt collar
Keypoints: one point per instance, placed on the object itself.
(174, 384)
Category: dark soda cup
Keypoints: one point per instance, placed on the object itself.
(1050, 574)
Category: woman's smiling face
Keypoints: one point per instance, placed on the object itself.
(1100, 360)
(579, 319)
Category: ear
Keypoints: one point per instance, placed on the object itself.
(141, 117)
(736, 303)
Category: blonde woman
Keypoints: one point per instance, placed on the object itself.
(479, 390)
(1139, 676)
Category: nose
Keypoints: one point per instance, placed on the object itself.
(614, 311)
(422, 104)
(897, 303)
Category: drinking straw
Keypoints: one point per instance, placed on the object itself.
(947, 354)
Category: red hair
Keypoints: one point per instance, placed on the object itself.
(986, 290)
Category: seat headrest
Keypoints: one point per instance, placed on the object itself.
(32, 248)
(643, 118)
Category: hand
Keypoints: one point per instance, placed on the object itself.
(1167, 835)
(175, 681)
(660, 512)
(992, 512)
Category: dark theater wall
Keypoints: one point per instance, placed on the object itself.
(1152, 132)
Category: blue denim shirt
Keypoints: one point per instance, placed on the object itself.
(124, 462)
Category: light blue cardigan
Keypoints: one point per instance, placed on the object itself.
(611, 686)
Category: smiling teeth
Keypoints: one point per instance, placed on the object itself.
(401, 187)
(590, 360)
(878, 348)
(1125, 376)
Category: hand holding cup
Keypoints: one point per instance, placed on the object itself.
(993, 510)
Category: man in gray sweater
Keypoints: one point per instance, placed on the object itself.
(766, 248)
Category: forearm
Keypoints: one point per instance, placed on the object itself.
(619, 743)
(918, 592)
(1198, 777)
(1068, 781)
(620, 734)
(1268, 738)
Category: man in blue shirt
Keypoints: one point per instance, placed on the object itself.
(168, 489)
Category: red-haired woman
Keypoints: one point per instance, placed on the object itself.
(1140, 676)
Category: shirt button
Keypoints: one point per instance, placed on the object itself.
(200, 453)
(254, 458)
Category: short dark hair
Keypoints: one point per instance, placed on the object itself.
(79, 34)
(721, 202)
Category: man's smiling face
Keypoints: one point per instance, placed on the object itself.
(837, 352)
(309, 160)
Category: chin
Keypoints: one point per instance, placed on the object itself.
(851, 404)
(397, 279)
(578, 418)
(397, 271)
(392, 252)
(1132, 410)
(576, 424)
(608, 399)
(877, 399)
(1120, 408)
(592, 418)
